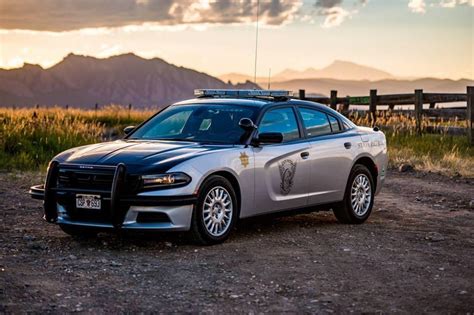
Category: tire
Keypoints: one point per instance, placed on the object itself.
(79, 232)
(214, 216)
(361, 184)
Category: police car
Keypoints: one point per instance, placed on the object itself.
(202, 164)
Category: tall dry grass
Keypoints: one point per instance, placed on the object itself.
(29, 138)
(441, 152)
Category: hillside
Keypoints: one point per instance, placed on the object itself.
(84, 81)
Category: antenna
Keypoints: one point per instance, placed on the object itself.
(256, 46)
(269, 75)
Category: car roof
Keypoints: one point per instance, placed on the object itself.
(254, 101)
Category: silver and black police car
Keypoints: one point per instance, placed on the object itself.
(202, 164)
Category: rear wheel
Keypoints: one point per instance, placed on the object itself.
(215, 212)
(80, 232)
(358, 198)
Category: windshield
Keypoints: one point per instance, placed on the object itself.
(201, 123)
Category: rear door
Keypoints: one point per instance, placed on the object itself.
(281, 170)
(330, 155)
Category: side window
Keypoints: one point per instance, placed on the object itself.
(315, 122)
(334, 124)
(280, 120)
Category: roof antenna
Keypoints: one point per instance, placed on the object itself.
(256, 47)
(269, 75)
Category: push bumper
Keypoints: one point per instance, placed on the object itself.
(172, 213)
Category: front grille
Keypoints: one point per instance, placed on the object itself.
(96, 180)
(99, 179)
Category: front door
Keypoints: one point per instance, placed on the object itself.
(281, 170)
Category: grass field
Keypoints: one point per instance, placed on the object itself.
(29, 138)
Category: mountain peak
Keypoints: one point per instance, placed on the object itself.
(80, 80)
(338, 69)
(31, 66)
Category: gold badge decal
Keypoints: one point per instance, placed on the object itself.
(244, 159)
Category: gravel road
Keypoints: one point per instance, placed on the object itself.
(415, 254)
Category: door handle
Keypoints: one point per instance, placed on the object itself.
(304, 155)
(347, 145)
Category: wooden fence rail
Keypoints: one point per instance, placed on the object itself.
(418, 98)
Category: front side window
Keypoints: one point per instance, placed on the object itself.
(281, 120)
(212, 123)
(316, 123)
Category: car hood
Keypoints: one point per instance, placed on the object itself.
(138, 156)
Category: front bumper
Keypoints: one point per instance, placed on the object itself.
(121, 211)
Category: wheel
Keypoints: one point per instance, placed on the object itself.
(358, 198)
(75, 231)
(215, 212)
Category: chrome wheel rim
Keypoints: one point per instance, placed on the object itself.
(361, 195)
(217, 211)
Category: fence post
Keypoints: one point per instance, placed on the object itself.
(470, 114)
(96, 106)
(345, 106)
(373, 106)
(302, 94)
(418, 109)
(333, 101)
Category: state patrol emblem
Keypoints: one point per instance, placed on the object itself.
(287, 173)
(244, 159)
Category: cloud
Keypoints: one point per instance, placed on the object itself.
(417, 6)
(333, 12)
(67, 15)
(334, 16)
(454, 3)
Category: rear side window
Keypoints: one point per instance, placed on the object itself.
(280, 120)
(334, 124)
(316, 123)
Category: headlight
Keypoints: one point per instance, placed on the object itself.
(165, 180)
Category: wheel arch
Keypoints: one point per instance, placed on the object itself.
(370, 164)
(233, 181)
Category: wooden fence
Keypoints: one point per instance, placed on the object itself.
(418, 98)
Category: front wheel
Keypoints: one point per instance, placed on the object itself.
(215, 212)
(358, 198)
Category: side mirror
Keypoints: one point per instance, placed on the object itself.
(247, 124)
(270, 137)
(128, 129)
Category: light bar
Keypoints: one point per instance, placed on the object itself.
(241, 93)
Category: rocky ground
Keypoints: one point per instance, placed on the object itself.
(415, 254)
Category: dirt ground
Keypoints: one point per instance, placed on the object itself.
(415, 254)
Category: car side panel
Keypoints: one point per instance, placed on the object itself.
(281, 177)
(331, 163)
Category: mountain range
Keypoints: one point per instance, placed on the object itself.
(339, 70)
(83, 81)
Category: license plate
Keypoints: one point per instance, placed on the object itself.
(88, 201)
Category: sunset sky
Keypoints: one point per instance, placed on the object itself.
(410, 38)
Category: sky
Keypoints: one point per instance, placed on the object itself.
(408, 38)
